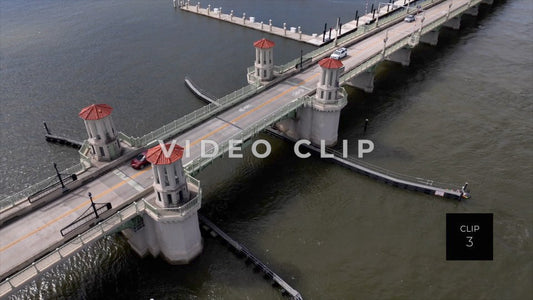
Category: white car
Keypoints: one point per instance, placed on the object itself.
(409, 18)
(339, 53)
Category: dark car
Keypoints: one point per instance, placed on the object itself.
(139, 161)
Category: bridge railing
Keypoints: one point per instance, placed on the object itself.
(193, 118)
(362, 29)
(105, 227)
(183, 210)
(199, 163)
(22, 196)
(84, 154)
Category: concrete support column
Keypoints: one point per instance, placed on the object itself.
(178, 240)
(472, 11)
(453, 23)
(364, 81)
(431, 38)
(402, 56)
(318, 121)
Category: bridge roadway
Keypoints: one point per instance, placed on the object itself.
(31, 236)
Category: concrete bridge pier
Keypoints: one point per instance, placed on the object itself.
(364, 81)
(171, 226)
(472, 11)
(402, 56)
(430, 38)
(318, 121)
(453, 23)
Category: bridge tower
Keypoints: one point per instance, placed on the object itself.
(170, 185)
(319, 120)
(103, 137)
(264, 59)
(171, 220)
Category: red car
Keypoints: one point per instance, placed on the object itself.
(139, 161)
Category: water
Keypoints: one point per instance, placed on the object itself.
(460, 112)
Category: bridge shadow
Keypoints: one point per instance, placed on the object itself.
(392, 83)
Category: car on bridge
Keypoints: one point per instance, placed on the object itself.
(339, 53)
(409, 18)
(139, 162)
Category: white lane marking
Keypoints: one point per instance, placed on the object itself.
(130, 181)
(244, 107)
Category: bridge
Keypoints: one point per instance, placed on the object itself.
(32, 220)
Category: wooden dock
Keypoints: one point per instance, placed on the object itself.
(242, 251)
(63, 141)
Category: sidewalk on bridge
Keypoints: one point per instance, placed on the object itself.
(97, 169)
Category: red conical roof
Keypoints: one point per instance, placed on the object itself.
(156, 155)
(330, 63)
(95, 112)
(264, 44)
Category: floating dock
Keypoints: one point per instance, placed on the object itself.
(52, 138)
(241, 251)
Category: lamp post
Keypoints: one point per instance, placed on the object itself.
(93, 205)
(59, 176)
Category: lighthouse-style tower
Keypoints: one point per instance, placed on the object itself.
(169, 178)
(171, 226)
(319, 121)
(264, 59)
(102, 134)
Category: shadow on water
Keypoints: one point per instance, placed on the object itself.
(110, 269)
(392, 83)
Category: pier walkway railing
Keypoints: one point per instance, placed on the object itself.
(22, 196)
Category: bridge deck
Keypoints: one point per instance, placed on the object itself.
(36, 233)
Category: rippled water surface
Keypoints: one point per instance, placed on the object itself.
(462, 111)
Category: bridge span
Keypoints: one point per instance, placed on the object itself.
(26, 241)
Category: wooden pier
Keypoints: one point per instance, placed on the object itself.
(293, 32)
(63, 141)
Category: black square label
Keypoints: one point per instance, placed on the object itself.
(469, 237)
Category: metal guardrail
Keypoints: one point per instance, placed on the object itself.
(362, 29)
(193, 118)
(22, 196)
(396, 175)
(84, 151)
(200, 162)
(162, 133)
(107, 226)
(233, 98)
(411, 40)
